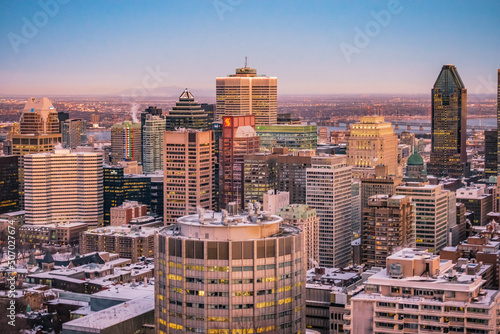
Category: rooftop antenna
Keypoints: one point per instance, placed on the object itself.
(246, 61)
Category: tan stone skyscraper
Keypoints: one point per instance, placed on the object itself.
(38, 128)
(246, 93)
(188, 167)
(373, 142)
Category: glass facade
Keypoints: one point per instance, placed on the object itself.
(294, 137)
(449, 125)
(9, 183)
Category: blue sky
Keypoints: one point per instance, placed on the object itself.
(102, 47)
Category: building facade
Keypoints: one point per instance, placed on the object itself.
(431, 214)
(420, 293)
(260, 173)
(246, 93)
(64, 186)
(9, 181)
(126, 142)
(188, 169)
(477, 202)
(372, 142)
(152, 143)
(449, 125)
(129, 242)
(292, 136)
(224, 273)
(238, 140)
(301, 215)
(388, 224)
(74, 133)
(292, 169)
(329, 192)
(121, 215)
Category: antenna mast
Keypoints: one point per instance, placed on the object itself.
(246, 60)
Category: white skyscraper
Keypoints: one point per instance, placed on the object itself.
(329, 192)
(64, 186)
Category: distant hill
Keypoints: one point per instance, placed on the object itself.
(170, 91)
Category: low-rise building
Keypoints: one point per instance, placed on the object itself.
(59, 233)
(131, 242)
(121, 215)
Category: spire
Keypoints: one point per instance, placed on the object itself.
(186, 96)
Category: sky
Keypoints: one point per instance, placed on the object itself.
(91, 47)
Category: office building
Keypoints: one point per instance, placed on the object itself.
(238, 140)
(420, 293)
(217, 129)
(388, 225)
(62, 117)
(152, 143)
(306, 218)
(356, 208)
(64, 186)
(477, 202)
(378, 184)
(230, 273)
(292, 169)
(187, 114)
(246, 93)
(260, 173)
(120, 186)
(372, 142)
(38, 128)
(432, 214)
(294, 137)
(498, 120)
(275, 201)
(490, 153)
(329, 192)
(449, 125)
(130, 242)
(74, 133)
(95, 118)
(157, 204)
(209, 109)
(188, 167)
(9, 183)
(126, 142)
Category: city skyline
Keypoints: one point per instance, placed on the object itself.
(108, 48)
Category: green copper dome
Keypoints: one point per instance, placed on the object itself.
(415, 159)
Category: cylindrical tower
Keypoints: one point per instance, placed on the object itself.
(222, 273)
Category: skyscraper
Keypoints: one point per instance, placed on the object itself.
(238, 139)
(126, 142)
(449, 125)
(188, 167)
(38, 128)
(373, 142)
(229, 273)
(152, 143)
(246, 93)
(64, 186)
(9, 183)
(187, 114)
(74, 133)
(498, 119)
(329, 192)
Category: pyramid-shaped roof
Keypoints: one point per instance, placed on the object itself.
(186, 96)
